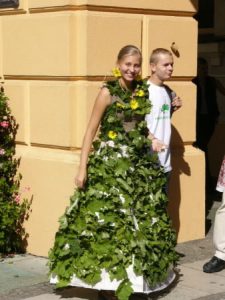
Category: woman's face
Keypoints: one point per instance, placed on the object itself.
(130, 67)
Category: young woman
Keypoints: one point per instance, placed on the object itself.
(116, 234)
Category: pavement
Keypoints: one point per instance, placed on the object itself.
(25, 276)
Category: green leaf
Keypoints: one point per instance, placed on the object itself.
(124, 185)
(75, 248)
(93, 278)
(62, 283)
(95, 205)
(118, 273)
(124, 290)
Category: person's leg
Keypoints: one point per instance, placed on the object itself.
(217, 262)
(202, 132)
(219, 230)
(210, 127)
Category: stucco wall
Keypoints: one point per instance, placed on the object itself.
(54, 57)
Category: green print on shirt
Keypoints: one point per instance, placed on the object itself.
(165, 108)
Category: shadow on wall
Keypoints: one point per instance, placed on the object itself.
(195, 4)
(180, 166)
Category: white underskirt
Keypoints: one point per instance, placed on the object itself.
(138, 283)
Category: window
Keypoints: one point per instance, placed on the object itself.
(9, 3)
(205, 15)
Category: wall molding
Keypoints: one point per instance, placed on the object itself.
(99, 8)
(113, 9)
(67, 148)
(78, 78)
(57, 78)
(181, 78)
(49, 146)
(21, 143)
(8, 12)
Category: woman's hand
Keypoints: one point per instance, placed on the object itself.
(81, 178)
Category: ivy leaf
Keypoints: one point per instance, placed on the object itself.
(93, 278)
(124, 184)
(122, 166)
(62, 283)
(75, 247)
(111, 119)
(124, 290)
(118, 273)
(95, 205)
(63, 222)
(80, 223)
(138, 267)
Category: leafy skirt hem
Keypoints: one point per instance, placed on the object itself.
(139, 285)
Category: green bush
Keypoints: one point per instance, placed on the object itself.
(13, 209)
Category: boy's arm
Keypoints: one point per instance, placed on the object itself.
(176, 101)
(157, 145)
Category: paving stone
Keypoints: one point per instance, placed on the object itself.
(200, 281)
(219, 296)
(25, 276)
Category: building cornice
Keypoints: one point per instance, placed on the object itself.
(112, 9)
(79, 78)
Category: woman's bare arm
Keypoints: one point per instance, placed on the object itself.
(102, 101)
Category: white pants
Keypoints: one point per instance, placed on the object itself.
(219, 230)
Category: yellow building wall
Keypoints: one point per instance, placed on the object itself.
(54, 56)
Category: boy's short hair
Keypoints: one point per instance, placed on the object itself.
(156, 52)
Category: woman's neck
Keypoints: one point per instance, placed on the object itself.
(126, 85)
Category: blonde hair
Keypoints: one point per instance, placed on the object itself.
(128, 50)
(154, 57)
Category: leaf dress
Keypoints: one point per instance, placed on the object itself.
(116, 233)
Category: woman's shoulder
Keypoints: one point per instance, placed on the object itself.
(104, 90)
(110, 83)
(104, 94)
(109, 87)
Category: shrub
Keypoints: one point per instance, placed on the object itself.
(13, 209)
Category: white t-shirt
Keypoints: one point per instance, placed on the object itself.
(158, 121)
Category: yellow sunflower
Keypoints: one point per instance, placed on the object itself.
(116, 72)
(112, 134)
(134, 104)
(140, 93)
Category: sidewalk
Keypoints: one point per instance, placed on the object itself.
(25, 277)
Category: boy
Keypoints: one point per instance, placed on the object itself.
(164, 103)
